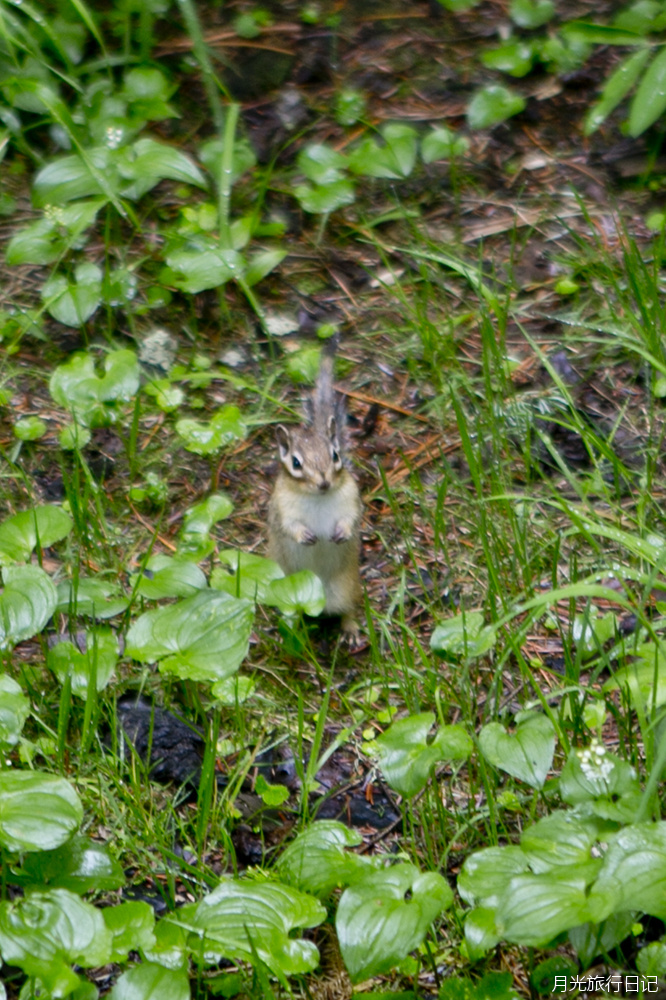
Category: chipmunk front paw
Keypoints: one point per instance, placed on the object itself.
(342, 533)
(304, 536)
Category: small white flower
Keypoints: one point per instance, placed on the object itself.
(114, 136)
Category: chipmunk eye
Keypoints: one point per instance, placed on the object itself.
(296, 462)
(335, 456)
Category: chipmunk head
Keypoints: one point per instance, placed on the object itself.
(310, 456)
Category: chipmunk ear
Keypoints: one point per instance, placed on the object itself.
(332, 430)
(283, 440)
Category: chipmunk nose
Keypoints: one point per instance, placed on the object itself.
(324, 485)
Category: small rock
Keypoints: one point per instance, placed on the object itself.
(158, 349)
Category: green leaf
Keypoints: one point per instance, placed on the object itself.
(480, 933)
(262, 264)
(602, 34)
(321, 164)
(599, 782)
(14, 710)
(167, 577)
(244, 159)
(323, 199)
(649, 101)
(531, 14)
(319, 861)
(26, 604)
(298, 593)
(147, 162)
(616, 88)
(92, 597)
(72, 177)
(195, 542)
(651, 959)
(243, 574)
(527, 754)
(132, 926)
(151, 982)
(145, 83)
(592, 939)
(242, 917)
(76, 386)
(590, 631)
(74, 302)
(203, 638)
(492, 105)
(99, 660)
(515, 57)
(226, 426)
(536, 908)
(463, 635)
(562, 841)
(79, 865)
(37, 811)
(396, 158)
(443, 144)
(633, 874)
(378, 927)
(44, 933)
(407, 758)
(644, 678)
(20, 533)
(29, 429)
(304, 364)
(61, 228)
(486, 874)
(196, 270)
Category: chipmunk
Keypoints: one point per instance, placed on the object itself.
(315, 511)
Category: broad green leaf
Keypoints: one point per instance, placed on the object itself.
(321, 164)
(649, 100)
(240, 917)
(167, 577)
(303, 365)
(170, 947)
(79, 865)
(443, 144)
(407, 758)
(480, 933)
(233, 691)
(132, 926)
(76, 386)
(143, 83)
(644, 678)
(514, 57)
(151, 982)
(60, 229)
(534, 909)
(602, 34)
(14, 710)
(592, 939)
(559, 841)
(210, 154)
(71, 177)
(486, 874)
(322, 199)
(26, 604)
(616, 88)
(74, 302)
(243, 574)
(319, 861)
(146, 162)
(463, 635)
(37, 811)
(651, 959)
(531, 14)
(298, 593)
(29, 429)
(633, 874)
(350, 106)
(20, 533)
(599, 782)
(196, 270)
(99, 660)
(195, 542)
(527, 754)
(262, 264)
(45, 933)
(493, 104)
(226, 426)
(378, 926)
(204, 638)
(91, 596)
(395, 158)
(590, 631)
